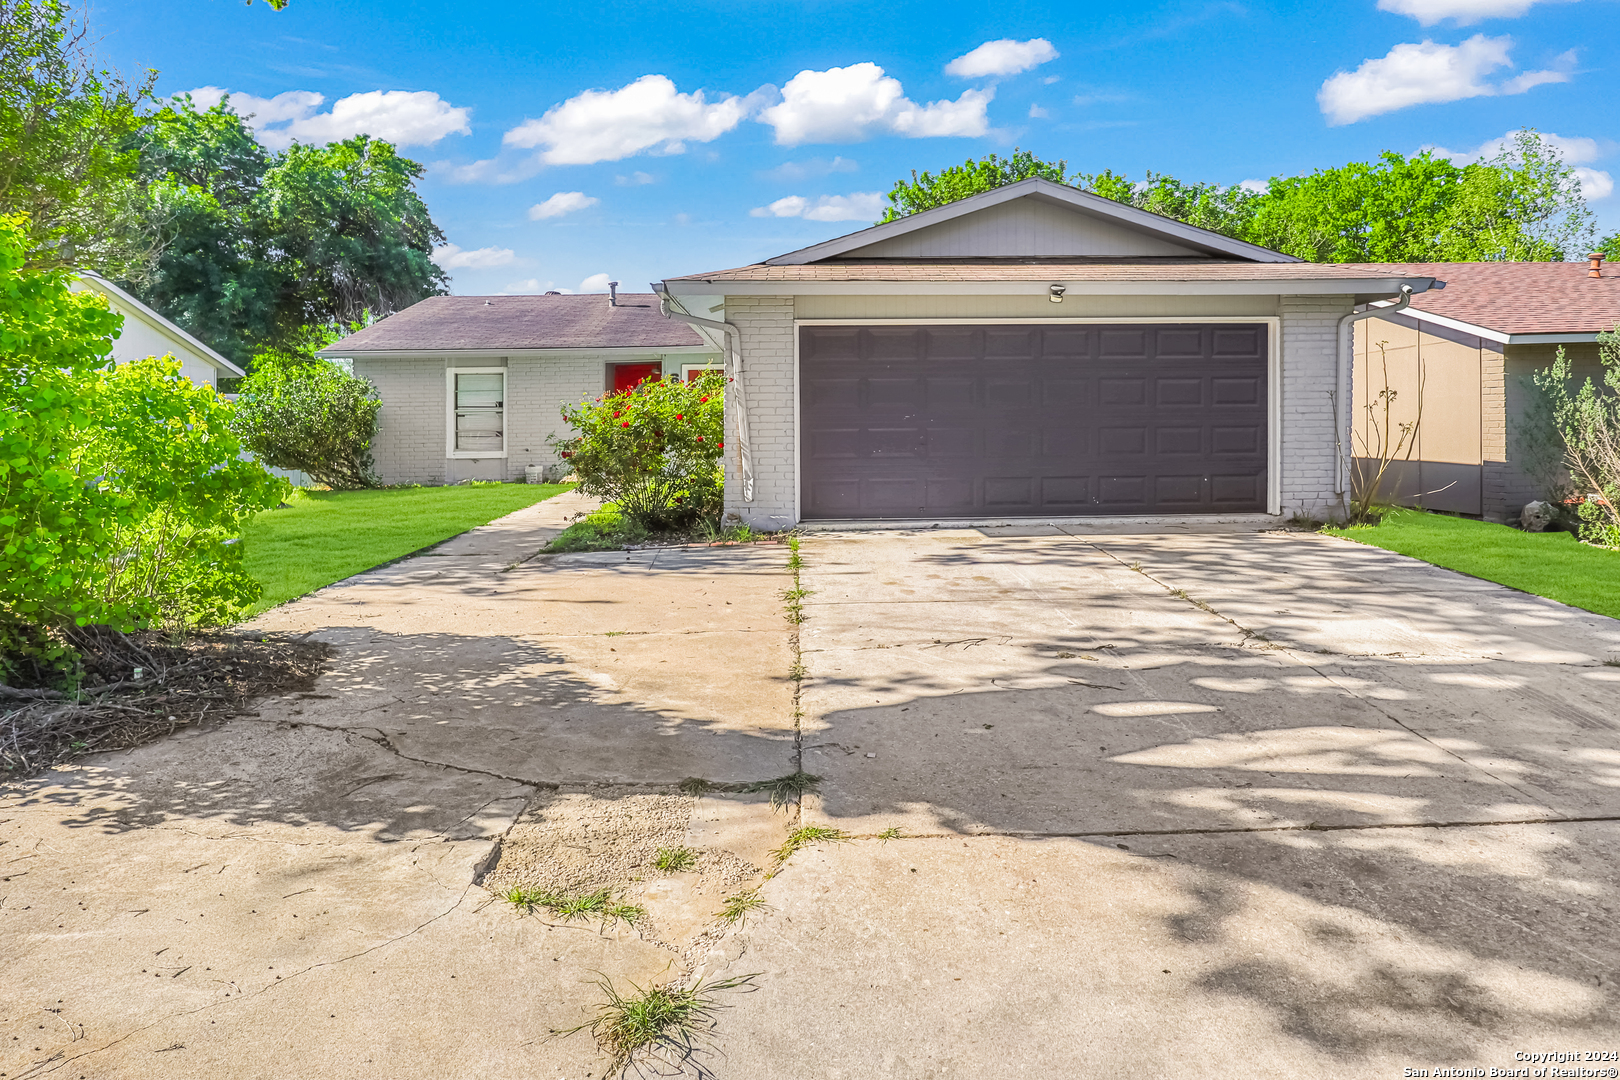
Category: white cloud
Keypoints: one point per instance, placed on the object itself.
(1259, 187)
(530, 286)
(635, 179)
(1464, 12)
(402, 117)
(1577, 152)
(564, 202)
(1038, 113)
(859, 206)
(496, 170)
(595, 283)
(452, 257)
(608, 125)
(853, 103)
(805, 170)
(1427, 74)
(1003, 57)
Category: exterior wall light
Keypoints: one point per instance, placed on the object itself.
(1056, 292)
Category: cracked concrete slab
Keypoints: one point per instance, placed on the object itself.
(293, 892)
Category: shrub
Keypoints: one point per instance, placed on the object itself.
(163, 447)
(297, 411)
(653, 451)
(1588, 419)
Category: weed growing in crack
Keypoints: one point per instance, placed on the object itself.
(1137, 567)
(696, 785)
(796, 672)
(1612, 662)
(807, 835)
(736, 908)
(615, 633)
(794, 562)
(570, 906)
(786, 789)
(891, 833)
(672, 860)
(658, 1028)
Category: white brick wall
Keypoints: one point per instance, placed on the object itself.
(766, 326)
(1310, 329)
(410, 443)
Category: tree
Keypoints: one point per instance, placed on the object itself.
(298, 411)
(259, 246)
(927, 191)
(1522, 205)
(64, 160)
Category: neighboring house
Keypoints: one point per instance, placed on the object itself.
(471, 386)
(146, 333)
(1034, 352)
(1464, 355)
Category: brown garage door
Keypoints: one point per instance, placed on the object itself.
(933, 421)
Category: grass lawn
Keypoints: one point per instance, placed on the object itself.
(1550, 564)
(325, 536)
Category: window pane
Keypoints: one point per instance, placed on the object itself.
(474, 391)
(480, 416)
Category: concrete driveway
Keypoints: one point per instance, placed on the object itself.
(1208, 804)
(1189, 805)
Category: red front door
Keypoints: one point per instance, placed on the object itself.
(629, 376)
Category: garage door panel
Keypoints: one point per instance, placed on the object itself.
(945, 421)
(1169, 441)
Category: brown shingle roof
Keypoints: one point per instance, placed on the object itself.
(585, 321)
(1517, 297)
(1038, 270)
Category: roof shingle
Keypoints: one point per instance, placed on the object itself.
(582, 321)
(1516, 297)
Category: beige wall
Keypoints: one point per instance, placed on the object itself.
(1438, 383)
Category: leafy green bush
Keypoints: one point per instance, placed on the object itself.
(297, 411)
(653, 451)
(1588, 419)
(163, 447)
(121, 490)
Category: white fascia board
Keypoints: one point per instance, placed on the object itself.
(157, 322)
(1307, 287)
(514, 354)
(1061, 193)
(1499, 336)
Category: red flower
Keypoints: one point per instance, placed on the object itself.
(678, 416)
(625, 424)
(566, 454)
(722, 446)
(702, 400)
(618, 414)
(700, 438)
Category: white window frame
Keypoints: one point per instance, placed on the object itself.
(687, 369)
(450, 374)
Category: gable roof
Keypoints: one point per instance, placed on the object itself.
(1158, 234)
(1506, 301)
(521, 323)
(128, 306)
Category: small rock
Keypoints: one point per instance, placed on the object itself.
(871, 755)
(1537, 516)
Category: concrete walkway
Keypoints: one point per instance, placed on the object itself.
(1225, 804)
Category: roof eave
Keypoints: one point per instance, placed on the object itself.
(337, 352)
(150, 316)
(1364, 288)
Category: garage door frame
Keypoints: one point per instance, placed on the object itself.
(1273, 324)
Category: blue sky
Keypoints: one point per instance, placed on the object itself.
(570, 143)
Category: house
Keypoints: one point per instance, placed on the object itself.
(146, 333)
(471, 386)
(1460, 361)
(1034, 352)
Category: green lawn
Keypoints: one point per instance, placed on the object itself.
(325, 536)
(1550, 564)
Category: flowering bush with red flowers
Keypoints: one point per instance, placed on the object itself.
(653, 451)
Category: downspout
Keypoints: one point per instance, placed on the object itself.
(1341, 397)
(736, 393)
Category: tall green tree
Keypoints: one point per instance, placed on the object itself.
(927, 191)
(257, 247)
(65, 165)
